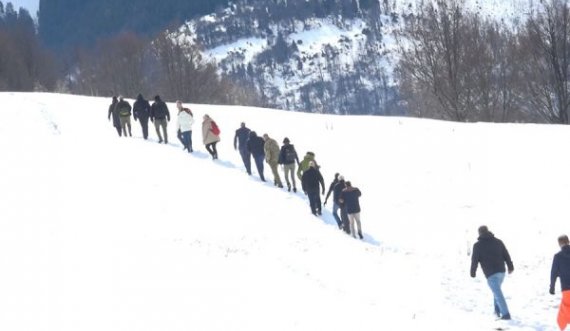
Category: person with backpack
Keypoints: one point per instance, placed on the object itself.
(492, 254)
(561, 269)
(271, 149)
(124, 109)
(335, 204)
(242, 135)
(141, 112)
(311, 182)
(304, 165)
(114, 113)
(160, 115)
(350, 197)
(210, 136)
(288, 158)
(185, 122)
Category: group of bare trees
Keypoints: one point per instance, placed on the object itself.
(172, 67)
(457, 65)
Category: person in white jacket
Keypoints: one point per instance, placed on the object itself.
(185, 122)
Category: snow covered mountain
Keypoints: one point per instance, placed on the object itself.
(319, 56)
(106, 233)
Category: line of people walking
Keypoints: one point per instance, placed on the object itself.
(345, 197)
(120, 112)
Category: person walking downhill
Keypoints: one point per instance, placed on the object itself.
(185, 122)
(124, 109)
(210, 136)
(241, 137)
(288, 158)
(350, 197)
(561, 269)
(335, 204)
(141, 112)
(492, 254)
(304, 165)
(255, 146)
(114, 113)
(271, 149)
(311, 182)
(160, 115)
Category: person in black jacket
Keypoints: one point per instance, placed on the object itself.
(255, 146)
(114, 113)
(561, 269)
(337, 191)
(242, 136)
(160, 115)
(312, 181)
(335, 205)
(141, 112)
(492, 254)
(350, 197)
(288, 158)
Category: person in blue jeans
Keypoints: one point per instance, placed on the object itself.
(492, 254)
(255, 146)
(241, 137)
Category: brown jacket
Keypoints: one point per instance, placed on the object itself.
(272, 150)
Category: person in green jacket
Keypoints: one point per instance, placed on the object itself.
(304, 166)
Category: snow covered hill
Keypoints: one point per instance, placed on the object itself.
(106, 233)
(301, 57)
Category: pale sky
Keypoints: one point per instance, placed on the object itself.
(30, 5)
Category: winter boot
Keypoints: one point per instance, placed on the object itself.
(295, 189)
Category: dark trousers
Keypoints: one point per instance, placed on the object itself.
(144, 126)
(315, 201)
(344, 219)
(187, 140)
(119, 130)
(246, 158)
(259, 164)
(211, 148)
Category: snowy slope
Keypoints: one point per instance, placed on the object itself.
(106, 233)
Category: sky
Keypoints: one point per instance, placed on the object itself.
(100, 232)
(31, 5)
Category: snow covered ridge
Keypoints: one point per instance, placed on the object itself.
(106, 233)
(333, 64)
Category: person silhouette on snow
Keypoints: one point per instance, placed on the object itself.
(160, 115)
(255, 146)
(114, 113)
(492, 254)
(271, 149)
(288, 158)
(350, 197)
(185, 122)
(312, 181)
(141, 112)
(240, 139)
(561, 269)
(124, 109)
(209, 136)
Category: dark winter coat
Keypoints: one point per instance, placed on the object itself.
(350, 197)
(113, 111)
(312, 180)
(561, 268)
(124, 108)
(242, 136)
(159, 111)
(331, 189)
(337, 190)
(255, 144)
(288, 154)
(492, 254)
(141, 108)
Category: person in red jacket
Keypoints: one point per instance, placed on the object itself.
(561, 269)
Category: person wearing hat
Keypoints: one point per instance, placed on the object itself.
(311, 182)
(241, 137)
(561, 269)
(492, 254)
(288, 158)
(350, 197)
(271, 149)
(124, 109)
(160, 115)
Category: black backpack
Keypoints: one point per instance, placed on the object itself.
(290, 154)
